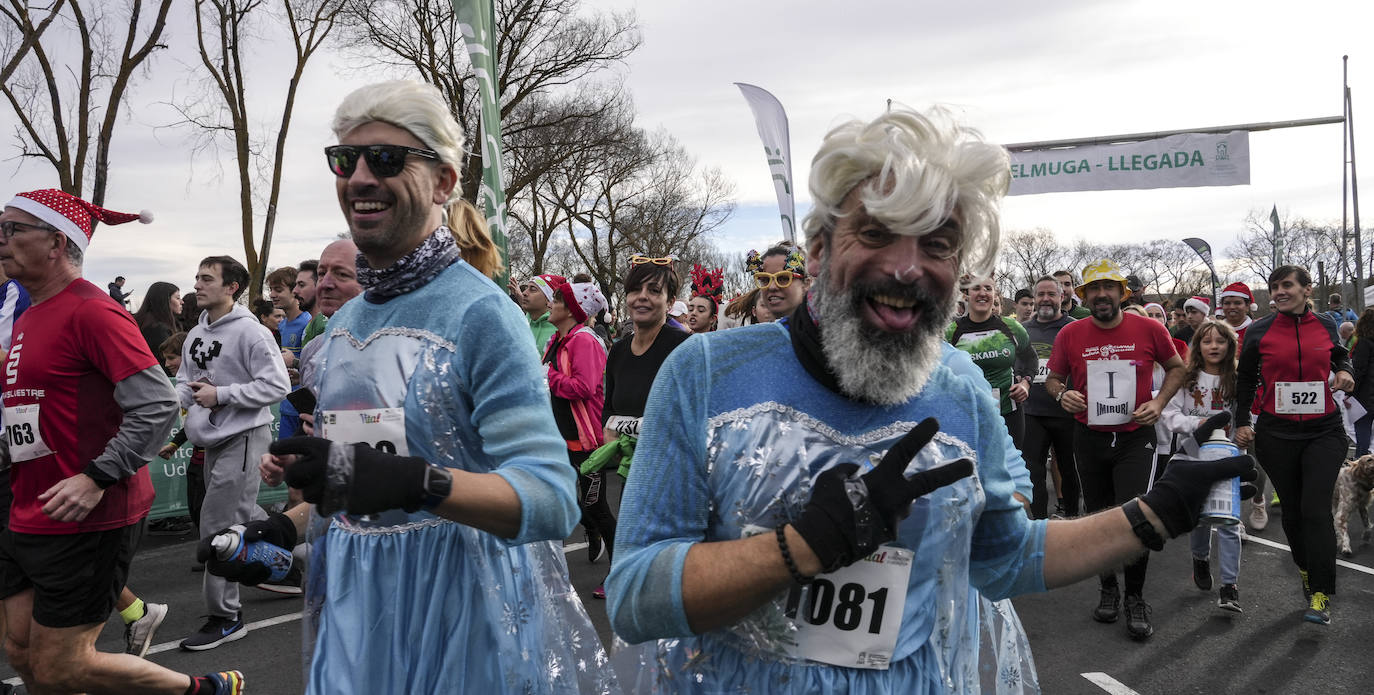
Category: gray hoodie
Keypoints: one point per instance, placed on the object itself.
(238, 355)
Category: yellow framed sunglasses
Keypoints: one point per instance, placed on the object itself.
(783, 278)
(641, 260)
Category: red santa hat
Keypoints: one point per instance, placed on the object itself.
(583, 299)
(1238, 289)
(71, 215)
(1200, 303)
(548, 284)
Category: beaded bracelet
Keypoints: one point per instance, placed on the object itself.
(797, 576)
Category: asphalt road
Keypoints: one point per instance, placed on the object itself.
(1196, 648)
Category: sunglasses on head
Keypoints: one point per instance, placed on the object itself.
(783, 278)
(641, 260)
(383, 161)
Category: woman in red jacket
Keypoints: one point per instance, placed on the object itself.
(577, 368)
(1291, 361)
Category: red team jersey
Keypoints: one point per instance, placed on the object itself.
(1137, 342)
(68, 354)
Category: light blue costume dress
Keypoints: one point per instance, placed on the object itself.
(412, 603)
(734, 434)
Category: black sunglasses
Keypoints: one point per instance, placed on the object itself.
(383, 160)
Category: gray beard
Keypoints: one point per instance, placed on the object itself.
(872, 365)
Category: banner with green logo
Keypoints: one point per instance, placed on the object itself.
(1177, 161)
(477, 21)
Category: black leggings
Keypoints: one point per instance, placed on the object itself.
(1016, 425)
(1304, 472)
(591, 497)
(1041, 434)
(1115, 467)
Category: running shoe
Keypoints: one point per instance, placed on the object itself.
(1108, 606)
(138, 635)
(1318, 609)
(1229, 599)
(215, 632)
(599, 591)
(289, 585)
(224, 683)
(1275, 501)
(1202, 574)
(1138, 618)
(1259, 516)
(596, 548)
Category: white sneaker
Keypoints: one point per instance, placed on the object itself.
(138, 635)
(1259, 515)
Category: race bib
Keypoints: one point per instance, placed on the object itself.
(851, 617)
(1110, 392)
(997, 395)
(383, 429)
(26, 441)
(1042, 371)
(1299, 397)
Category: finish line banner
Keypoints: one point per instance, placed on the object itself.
(1177, 161)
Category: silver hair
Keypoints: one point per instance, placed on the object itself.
(416, 107)
(919, 170)
(75, 255)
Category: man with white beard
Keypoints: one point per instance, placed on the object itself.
(754, 553)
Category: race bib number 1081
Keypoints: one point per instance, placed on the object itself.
(851, 617)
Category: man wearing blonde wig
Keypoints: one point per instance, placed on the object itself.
(796, 519)
(436, 472)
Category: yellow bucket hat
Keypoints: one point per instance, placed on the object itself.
(1102, 270)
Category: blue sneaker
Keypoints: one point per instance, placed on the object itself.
(216, 631)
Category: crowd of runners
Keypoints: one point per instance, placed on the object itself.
(832, 482)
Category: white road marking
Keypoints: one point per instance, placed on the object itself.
(1108, 683)
(176, 644)
(1280, 546)
(573, 547)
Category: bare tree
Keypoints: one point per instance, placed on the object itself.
(54, 83)
(17, 46)
(1025, 256)
(1305, 243)
(546, 50)
(224, 32)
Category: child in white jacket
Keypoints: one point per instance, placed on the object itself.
(1209, 387)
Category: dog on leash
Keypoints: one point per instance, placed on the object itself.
(1354, 491)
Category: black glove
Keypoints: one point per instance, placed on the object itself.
(278, 529)
(849, 516)
(1177, 498)
(363, 480)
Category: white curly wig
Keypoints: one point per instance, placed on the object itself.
(920, 170)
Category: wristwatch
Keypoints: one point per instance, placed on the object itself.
(1143, 529)
(1060, 397)
(438, 483)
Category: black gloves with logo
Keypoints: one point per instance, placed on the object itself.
(849, 516)
(1177, 498)
(278, 529)
(356, 478)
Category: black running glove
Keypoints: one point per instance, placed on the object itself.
(352, 477)
(278, 529)
(1177, 498)
(849, 516)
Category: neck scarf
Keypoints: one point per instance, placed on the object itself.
(412, 271)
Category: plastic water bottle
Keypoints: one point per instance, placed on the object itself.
(230, 546)
(1223, 499)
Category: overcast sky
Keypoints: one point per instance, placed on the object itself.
(1019, 71)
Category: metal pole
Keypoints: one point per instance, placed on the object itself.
(1345, 168)
(1354, 187)
(1136, 137)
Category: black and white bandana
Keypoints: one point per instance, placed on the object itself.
(412, 271)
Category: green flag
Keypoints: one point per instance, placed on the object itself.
(477, 21)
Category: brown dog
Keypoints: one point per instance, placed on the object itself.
(1354, 491)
